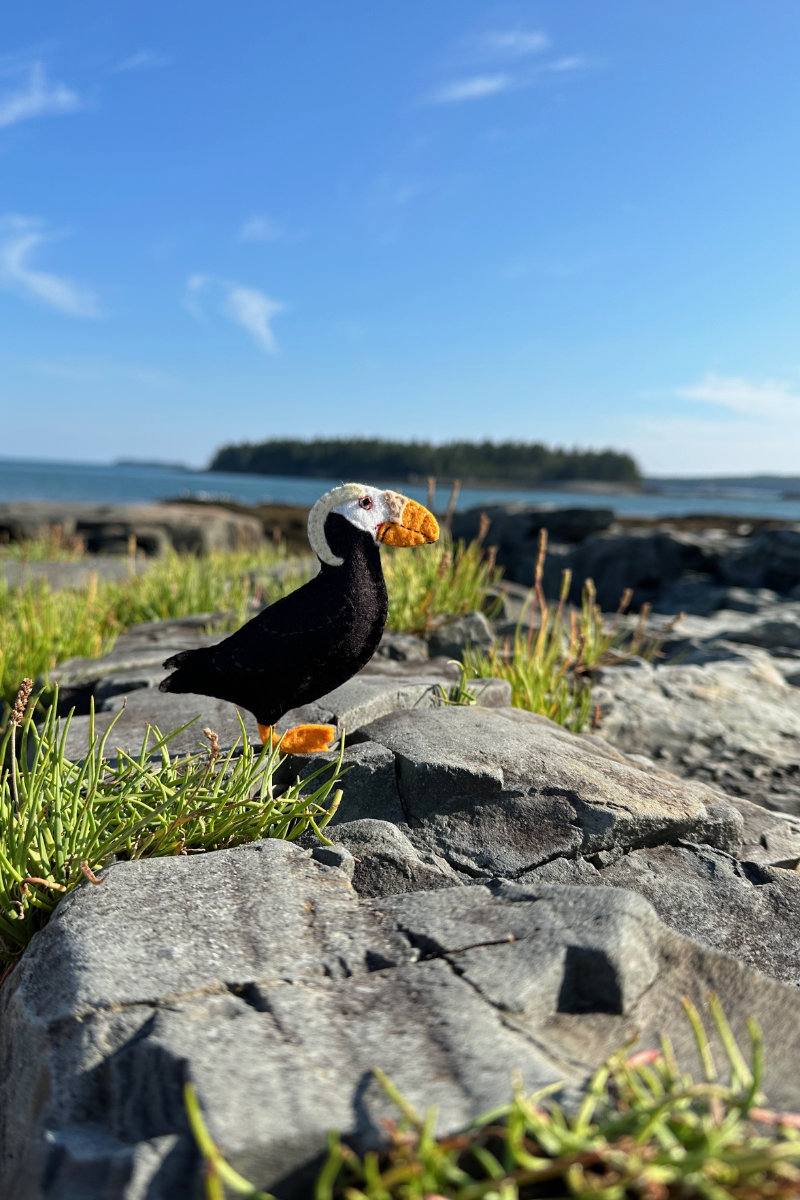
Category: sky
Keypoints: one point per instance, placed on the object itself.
(574, 221)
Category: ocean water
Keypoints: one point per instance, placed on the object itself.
(134, 483)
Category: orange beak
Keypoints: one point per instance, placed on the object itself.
(415, 527)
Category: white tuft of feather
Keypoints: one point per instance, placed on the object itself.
(319, 514)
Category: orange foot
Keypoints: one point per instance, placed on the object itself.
(303, 739)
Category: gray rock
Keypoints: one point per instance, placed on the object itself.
(770, 839)
(733, 724)
(750, 912)
(256, 974)
(402, 647)
(386, 862)
(148, 709)
(468, 776)
(643, 560)
(450, 639)
(778, 633)
(514, 525)
(111, 529)
(693, 593)
(361, 700)
(369, 785)
(749, 600)
(770, 558)
(153, 528)
(508, 601)
(337, 856)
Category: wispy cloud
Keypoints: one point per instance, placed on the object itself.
(478, 87)
(756, 428)
(507, 50)
(515, 43)
(20, 239)
(33, 95)
(260, 229)
(571, 62)
(143, 60)
(247, 307)
(769, 398)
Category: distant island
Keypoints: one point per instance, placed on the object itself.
(521, 464)
(150, 464)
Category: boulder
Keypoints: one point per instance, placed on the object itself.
(747, 911)
(385, 860)
(361, 700)
(645, 561)
(150, 528)
(256, 974)
(513, 525)
(466, 777)
(449, 639)
(734, 723)
(768, 559)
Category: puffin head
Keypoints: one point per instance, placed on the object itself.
(388, 517)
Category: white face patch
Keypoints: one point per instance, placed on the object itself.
(372, 508)
(364, 507)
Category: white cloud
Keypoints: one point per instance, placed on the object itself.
(516, 43)
(35, 96)
(497, 49)
(23, 237)
(248, 307)
(143, 60)
(260, 229)
(757, 431)
(478, 87)
(571, 62)
(770, 398)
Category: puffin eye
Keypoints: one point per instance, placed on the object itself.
(365, 502)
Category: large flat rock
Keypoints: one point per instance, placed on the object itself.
(734, 724)
(258, 975)
(109, 528)
(498, 791)
(748, 911)
(360, 701)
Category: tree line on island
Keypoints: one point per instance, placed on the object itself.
(520, 463)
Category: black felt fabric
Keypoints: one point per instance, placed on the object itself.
(302, 646)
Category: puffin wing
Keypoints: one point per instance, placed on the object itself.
(303, 625)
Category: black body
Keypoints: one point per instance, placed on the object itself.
(302, 646)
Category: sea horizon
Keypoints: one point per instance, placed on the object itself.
(132, 481)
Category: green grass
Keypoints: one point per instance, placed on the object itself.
(41, 626)
(54, 546)
(549, 660)
(62, 821)
(644, 1130)
(434, 580)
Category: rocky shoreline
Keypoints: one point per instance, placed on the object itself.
(502, 895)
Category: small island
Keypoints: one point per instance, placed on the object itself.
(522, 464)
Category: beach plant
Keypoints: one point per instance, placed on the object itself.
(549, 660)
(53, 546)
(645, 1129)
(441, 579)
(41, 626)
(63, 820)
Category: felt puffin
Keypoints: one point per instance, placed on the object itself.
(318, 636)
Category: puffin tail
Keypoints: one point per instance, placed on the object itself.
(190, 672)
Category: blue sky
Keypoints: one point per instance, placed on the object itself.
(573, 221)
